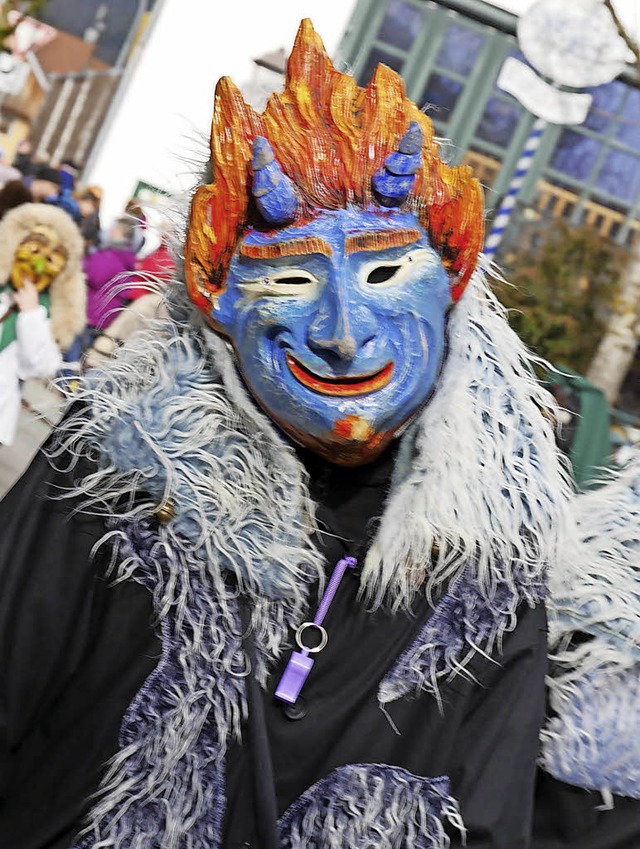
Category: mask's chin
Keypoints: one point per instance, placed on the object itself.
(352, 441)
(20, 274)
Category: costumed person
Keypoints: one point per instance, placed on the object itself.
(42, 302)
(155, 266)
(109, 273)
(296, 549)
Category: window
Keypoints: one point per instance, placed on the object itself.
(450, 63)
(628, 129)
(607, 100)
(375, 57)
(455, 60)
(576, 154)
(601, 157)
(619, 175)
(460, 49)
(440, 96)
(435, 50)
(391, 44)
(499, 121)
(401, 24)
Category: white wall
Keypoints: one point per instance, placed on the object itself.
(158, 133)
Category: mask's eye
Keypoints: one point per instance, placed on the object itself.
(291, 280)
(396, 270)
(383, 273)
(294, 281)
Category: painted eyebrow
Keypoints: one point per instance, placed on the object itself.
(293, 247)
(379, 240)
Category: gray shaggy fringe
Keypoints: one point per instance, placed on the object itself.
(593, 736)
(479, 479)
(164, 428)
(371, 806)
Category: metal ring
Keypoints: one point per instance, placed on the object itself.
(323, 637)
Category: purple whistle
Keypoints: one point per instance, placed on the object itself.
(294, 676)
(300, 664)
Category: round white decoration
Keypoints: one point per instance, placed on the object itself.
(572, 42)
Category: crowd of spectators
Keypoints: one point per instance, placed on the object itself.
(119, 264)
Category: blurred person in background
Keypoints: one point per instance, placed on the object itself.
(43, 182)
(155, 261)
(154, 266)
(7, 172)
(12, 194)
(137, 214)
(65, 196)
(42, 300)
(23, 160)
(89, 200)
(109, 273)
(67, 166)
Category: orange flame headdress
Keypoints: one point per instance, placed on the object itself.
(330, 137)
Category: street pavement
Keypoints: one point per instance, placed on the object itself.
(41, 410)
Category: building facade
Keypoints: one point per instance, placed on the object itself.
(450, 53)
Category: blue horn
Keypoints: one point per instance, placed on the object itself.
(393, 182)
(275, 193)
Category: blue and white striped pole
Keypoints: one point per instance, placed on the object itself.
(509, 201)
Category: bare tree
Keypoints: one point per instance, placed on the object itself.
(631, 43)
(618, 346)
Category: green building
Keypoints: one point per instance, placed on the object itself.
(449, 53)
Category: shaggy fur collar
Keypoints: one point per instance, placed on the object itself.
(478, 477)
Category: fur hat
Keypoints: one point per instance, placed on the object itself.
(68, 290)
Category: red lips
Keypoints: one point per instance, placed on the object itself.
(361, 384)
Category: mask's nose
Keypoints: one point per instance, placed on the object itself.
(341, 326)
(38, 264)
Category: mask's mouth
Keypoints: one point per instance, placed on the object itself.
(35, 272)
(361, 384)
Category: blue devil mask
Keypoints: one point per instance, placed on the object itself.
(338, 327)
(328, 248)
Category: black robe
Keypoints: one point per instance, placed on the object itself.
(74, 650)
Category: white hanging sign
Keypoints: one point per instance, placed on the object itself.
(541, 99)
